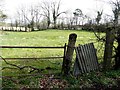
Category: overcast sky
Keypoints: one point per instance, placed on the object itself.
(87, 6)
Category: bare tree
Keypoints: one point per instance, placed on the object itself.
(77, 13)
(37, 11)
(107, 19)
(116, 12)
(32, 18)
(99, 15)
(70, 20)
(18, 19)
(46, 12)
(29, 17)
(113, 34)
(22, 18)
(2, 16)
(56, 12)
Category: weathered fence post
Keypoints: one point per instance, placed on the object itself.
(108, 48)
(69, 54)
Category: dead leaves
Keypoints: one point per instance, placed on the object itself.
(51, 82)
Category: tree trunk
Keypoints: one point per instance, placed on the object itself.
(54, 23)
(108, 49)
(25, 28)
(48, 23)
(117, 56)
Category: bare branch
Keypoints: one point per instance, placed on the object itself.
(60, 14)
(20, 68)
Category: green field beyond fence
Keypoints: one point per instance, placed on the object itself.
(31, 78)
(54, 38)
(40, 38)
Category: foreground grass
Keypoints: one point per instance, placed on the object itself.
(94, 80)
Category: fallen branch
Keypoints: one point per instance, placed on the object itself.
(9, 63)
(20, 68)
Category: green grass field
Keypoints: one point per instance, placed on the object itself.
(45, 38)
(40, 38)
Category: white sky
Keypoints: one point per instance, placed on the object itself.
(88, 7)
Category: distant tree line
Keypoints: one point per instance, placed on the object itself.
(48, 14)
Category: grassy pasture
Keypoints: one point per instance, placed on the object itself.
(109, 79)
(40, 38)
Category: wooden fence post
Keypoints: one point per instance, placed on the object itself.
(69, 54)
(108, 48)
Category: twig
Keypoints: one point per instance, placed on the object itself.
(98, 37)
(100, 47)
(8, 68)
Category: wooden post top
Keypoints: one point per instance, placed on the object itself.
(72, 36)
